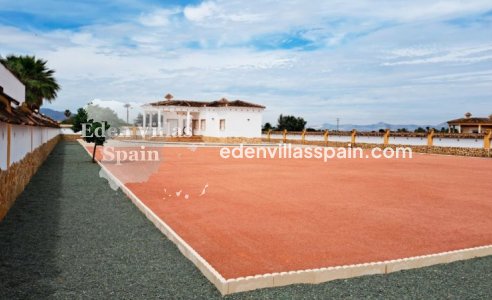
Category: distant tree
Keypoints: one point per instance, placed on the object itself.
(68, 121)
(402, 130)
(382, 131)
(267, 127)
(420, 130)
(36, 76)
(291, 123)
(138, 120)
(96, 133)
(309, 129)
(80, 118)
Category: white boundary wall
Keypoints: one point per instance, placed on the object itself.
(67, 130)
(397, 140)
(24, 140)
(3, 146)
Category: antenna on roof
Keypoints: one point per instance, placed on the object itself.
(168, 97)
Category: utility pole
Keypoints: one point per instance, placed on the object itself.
(338, 123)
(127, 106)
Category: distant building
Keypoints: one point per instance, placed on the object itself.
(470, 124)
(221, 118)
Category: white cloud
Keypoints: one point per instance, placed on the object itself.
(201, 12)
(413, 52)
(466, 55)
(205, 52)
(158, 18)
(211, 12)
(485, 76)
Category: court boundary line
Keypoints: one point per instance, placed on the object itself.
(306, 276)
(207, 270)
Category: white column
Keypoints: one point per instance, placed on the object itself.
(188, 129)
(180, 125)
(164, 127)
(159, 124)
(199, 123)
(144, 119)
(479, 128)
(170, 129)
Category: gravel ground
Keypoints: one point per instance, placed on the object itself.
(70, 236)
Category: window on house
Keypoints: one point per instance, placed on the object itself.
(222, 124)
(202, 124)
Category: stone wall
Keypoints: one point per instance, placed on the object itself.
(17, 176)
(177, 139)
(232, 140)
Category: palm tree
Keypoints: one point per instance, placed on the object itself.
(35, 75)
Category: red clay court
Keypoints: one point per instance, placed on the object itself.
(258, 216)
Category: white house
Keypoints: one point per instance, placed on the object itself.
(11, 86)
(221, 118)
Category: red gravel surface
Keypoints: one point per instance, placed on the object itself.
(257, 216)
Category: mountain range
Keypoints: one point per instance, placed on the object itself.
(54, 114)
(378, 126)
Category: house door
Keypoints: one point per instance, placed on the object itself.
(194, 126)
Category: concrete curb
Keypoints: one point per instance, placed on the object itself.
(309, 276)
(315, 276)
(208, 271)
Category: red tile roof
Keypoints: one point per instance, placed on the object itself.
(470, 120)
(219, 103)
(22, 115)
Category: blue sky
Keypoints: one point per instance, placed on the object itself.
(361, 61)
